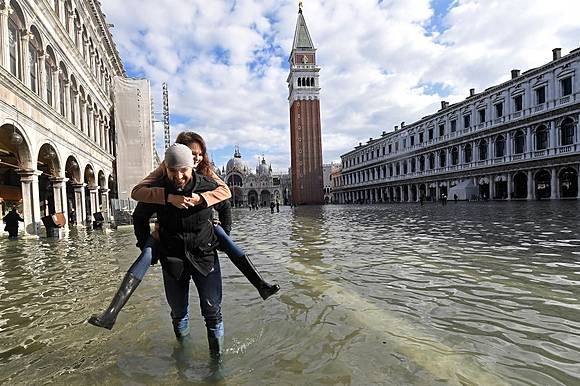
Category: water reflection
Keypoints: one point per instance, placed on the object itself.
(482, 293)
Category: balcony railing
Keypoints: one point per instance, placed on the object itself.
(565, 149)
(517, 157)
(517, 114)
(539, 108)
(565, 99)
(540, 153)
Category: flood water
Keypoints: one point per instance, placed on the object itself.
(469, 293)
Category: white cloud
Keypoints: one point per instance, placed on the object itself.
(224, 61)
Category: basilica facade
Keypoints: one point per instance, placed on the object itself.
(57, 138)
(258, 187)
(516, 140)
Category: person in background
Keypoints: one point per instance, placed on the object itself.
(11, 220)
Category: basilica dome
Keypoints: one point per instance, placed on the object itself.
(262, 169)
(237, 164)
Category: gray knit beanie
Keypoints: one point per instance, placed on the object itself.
(178, 156)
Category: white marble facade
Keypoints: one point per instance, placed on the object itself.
(516, 140)
(57, 141)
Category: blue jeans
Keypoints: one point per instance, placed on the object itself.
(226, 243)
(209, 289)
(141, 265)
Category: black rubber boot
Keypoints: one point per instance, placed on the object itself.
(108, 317)
(244, 264)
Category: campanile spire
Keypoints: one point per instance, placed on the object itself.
(305, 130)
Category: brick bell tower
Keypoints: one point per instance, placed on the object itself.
(305, 135)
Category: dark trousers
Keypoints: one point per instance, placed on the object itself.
(209, 289)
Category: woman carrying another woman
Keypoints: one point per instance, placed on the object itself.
(147, 192)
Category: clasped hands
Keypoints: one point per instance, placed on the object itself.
(184, 202)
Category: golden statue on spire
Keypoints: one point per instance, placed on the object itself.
(300, 6)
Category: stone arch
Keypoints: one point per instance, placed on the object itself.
(568, 182)
(520, 185)
(101, 180)
(72, 170)
(567, 128)
(112, 186)
(14, 140)
(49, 67)
(542, 183)
(48, 162)
(519, 145)
(34, 50)
(541, 137)
(499, 146)
(16, 25)
(89, 176)
(265, 197)
(253, 198)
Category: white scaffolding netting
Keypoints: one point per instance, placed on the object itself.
(135, 138)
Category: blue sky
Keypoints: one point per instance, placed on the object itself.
(382, 62)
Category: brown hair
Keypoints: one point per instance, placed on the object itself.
(187, 138)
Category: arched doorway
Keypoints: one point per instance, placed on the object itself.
(265, 198)
(543, 186)
(237, 196)
(74, 191)
(48, 182)
(17, 176)
(253, 199)
(568, 182)
(91, 194)
(520, 185)
(500, 187)
(484, 188)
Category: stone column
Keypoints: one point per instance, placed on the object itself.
(508, 146)
(25, 40)
(70, 22)
(77, 103)
(80, 209)
(79, 37)
(94, 200)
(60, 198)
(5, 12)
(418, 197)
(86, 51)
(56, 88)
(529, 140)
(530, 185)
(578, 182)
(553, 137)
(509, 186)
(437, 191)
(30, 201)
(553, 184)
(42, 75)
(102, 134)
(106, 135)
(491, 187)
(67, 101)
(105, 200)
(90, 121)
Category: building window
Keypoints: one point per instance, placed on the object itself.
(61, 94)
(404, 143)
(566, 86)
(405, 167)
(442, 158)
(454, 156)
(421, 137)
(412, 139)
(14, 48)
(430, 134)
(453, 125)
(540, 95)
(481, 113)
(431, 161)
(466, 121)
(383, 150)
(518, 103)
(390, 170)
(541, 138)
(482, 150)
(468, 153)
(567, 132)
(499, 110)
(441, 130)
(519, 142)
(397, 146)
(390, 148)
(499, 146)
(413, 165)
(398, 169)
(422, 163)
